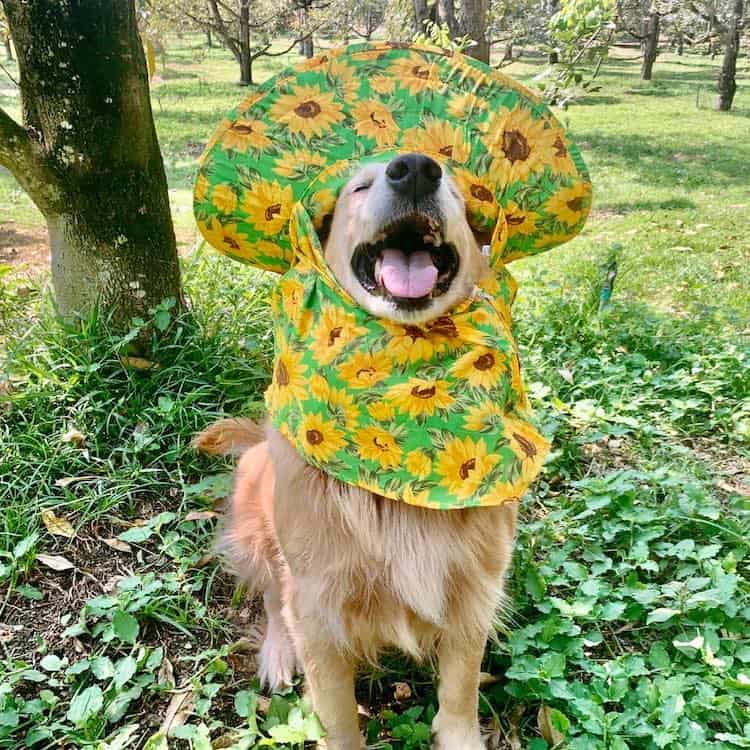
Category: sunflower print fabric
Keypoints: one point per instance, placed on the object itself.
(435, 414)
(500, 142)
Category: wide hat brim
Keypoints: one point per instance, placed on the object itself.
(300, 136)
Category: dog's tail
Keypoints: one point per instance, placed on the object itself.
(229, 437)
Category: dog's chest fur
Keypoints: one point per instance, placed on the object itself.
(398, 574)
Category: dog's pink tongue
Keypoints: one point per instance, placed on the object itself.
(409, 276)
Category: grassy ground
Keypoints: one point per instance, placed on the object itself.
(630, 596)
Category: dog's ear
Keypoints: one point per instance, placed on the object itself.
(324, 230)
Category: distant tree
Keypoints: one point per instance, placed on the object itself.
(87, 155)
(5, 36)
(474, 18)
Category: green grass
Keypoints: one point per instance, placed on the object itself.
(629, 624)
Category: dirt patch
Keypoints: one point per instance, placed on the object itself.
(23, 246)
(28, 248)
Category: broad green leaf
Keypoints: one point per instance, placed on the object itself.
(125, 626)
(85, 704)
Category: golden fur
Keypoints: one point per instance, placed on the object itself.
(345, 573)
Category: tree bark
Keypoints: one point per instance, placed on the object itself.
(209, 39)
(88, 156)
(447, 15)
(245, 59)
(650, 45)
(421, 14)
(727, 83)
(475, 27)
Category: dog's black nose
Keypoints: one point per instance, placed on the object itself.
(413, 175)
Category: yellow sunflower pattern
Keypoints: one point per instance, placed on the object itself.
(431, 414)
(315, 122)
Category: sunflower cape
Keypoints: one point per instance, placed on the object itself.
(432, 414)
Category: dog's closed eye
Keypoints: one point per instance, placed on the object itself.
(360, 188)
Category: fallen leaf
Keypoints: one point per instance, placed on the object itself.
(551, 734)
(118, 545)
(56, 525)
(485, 678)
(738, 489)
(74, 436)
(166, 673)
(201, 515)
(204, 560)
(139, 363)
(178, 711)
(56, 562)
(263, 705)
(566, 375)
(401, 691)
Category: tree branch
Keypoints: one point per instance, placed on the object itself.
(18, 155)
(15, 145)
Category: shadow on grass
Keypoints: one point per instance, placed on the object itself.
(625, 207)
(662, 162)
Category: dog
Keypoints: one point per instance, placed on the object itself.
(344, 572)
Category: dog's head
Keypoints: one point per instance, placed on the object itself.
(400, 243)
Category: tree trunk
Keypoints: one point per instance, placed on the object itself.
(88, 155)
(475, 27)
(650, 45)
(508, 54)
(209, 38)
(447, 15)
(245, 54)
(680, 43)
(421, 14)
(727, 83)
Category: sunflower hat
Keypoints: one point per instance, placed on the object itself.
(432, 414)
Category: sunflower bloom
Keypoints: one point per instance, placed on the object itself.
(268, 206)
(244, 134)
(519, 144)
(419, 397)
(465, 106)
(224, 199)
(294, 165)
(479, 194)
(201, 188)
(415, 74)
(438, 137)
(334, 331)
(418, 463)
(463, 464)
(409, 343)
(520, 221)
(307, 110)
(364, 369)
(527, 444)
(570, 204)
(343, 407)
(483, 416)
(289, 381)
(481, 367)
(292, 294)
(319, 438)
(372, 119)
(561, 161)
(381, 411)
(375, 444)
(225, 237)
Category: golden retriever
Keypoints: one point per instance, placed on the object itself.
(345, 573)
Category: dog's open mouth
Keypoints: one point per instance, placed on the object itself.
(408, 262)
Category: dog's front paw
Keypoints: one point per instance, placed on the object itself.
(277, 660)
(454, 733)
